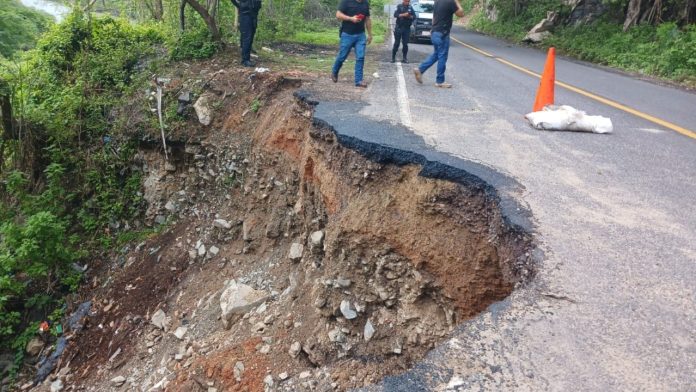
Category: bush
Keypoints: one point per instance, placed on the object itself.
(75, 179)
(193, 43)
(664, 50)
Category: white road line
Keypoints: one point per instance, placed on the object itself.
(402, 95)
(401, 92)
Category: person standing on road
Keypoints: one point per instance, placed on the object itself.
(248, 20)
(405, 15)
(355, 18)
(440, 36)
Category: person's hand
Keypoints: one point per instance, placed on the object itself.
(354, 19)
(369, 39)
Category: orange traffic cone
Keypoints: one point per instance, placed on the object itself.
(545, 94)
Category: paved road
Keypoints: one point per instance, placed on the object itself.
(614, 304)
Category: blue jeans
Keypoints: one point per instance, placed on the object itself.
(348, 41)
(441, 44)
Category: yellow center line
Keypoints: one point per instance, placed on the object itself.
(609, 102)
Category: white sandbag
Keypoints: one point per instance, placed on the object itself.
(567, 118)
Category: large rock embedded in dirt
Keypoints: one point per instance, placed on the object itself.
(203, 109)
(543, 29)
(237, 299)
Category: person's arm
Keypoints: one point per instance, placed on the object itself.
(368, 26)
(460, 11)
(341, 16)
(398, 14)
(236, 4)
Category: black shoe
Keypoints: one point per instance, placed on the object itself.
(248, 63)
(405, 61)
(334, 77)
(393, 60)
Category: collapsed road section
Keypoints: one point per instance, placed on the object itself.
(297, 258)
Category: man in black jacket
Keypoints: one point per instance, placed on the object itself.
(248, 19)
(405, 15)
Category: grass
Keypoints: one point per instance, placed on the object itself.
(329, 35)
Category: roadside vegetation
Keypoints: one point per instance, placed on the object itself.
(69, 193)
(660, 41)
(20, 27)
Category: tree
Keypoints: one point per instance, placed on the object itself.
(206, 12)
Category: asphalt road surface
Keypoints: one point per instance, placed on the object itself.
(613, 306)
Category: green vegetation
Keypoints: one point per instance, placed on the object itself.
(665, 49)
(20, 27)
(64, 178)
(66, 173)
(513, 24)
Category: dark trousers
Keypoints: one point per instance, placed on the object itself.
(247, 30)
(401, 34)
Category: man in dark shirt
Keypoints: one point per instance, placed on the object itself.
(440, 36)
(248, 20)
(404, 15)
(355, 18)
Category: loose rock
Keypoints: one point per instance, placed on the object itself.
(203, 110)
(238, 370)
(238, 298)
(296, 250)
(346, 311)
(317, 238)
(369, 330)
(160, 319)
(222, 224)
(57, 386)
(295, 349)
(118, 381)
(180, 332)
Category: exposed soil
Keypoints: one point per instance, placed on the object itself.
(412, 256)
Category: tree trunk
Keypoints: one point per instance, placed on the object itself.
(182, 15)
(632, 14)
(7, 119)
(207, 18)
(158, 10)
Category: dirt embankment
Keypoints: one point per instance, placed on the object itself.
(291, 263)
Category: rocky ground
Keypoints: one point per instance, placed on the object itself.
(284, 260)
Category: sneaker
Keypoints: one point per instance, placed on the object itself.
(393, 60)
(405, 61)
(361, 85)
(248, 63)
(419, 75)
(334, 77)
(443, 85)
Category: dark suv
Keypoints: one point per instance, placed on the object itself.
(420, 29)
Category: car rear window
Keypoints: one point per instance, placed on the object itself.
(427, 8)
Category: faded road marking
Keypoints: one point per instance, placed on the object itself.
(401, 92)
